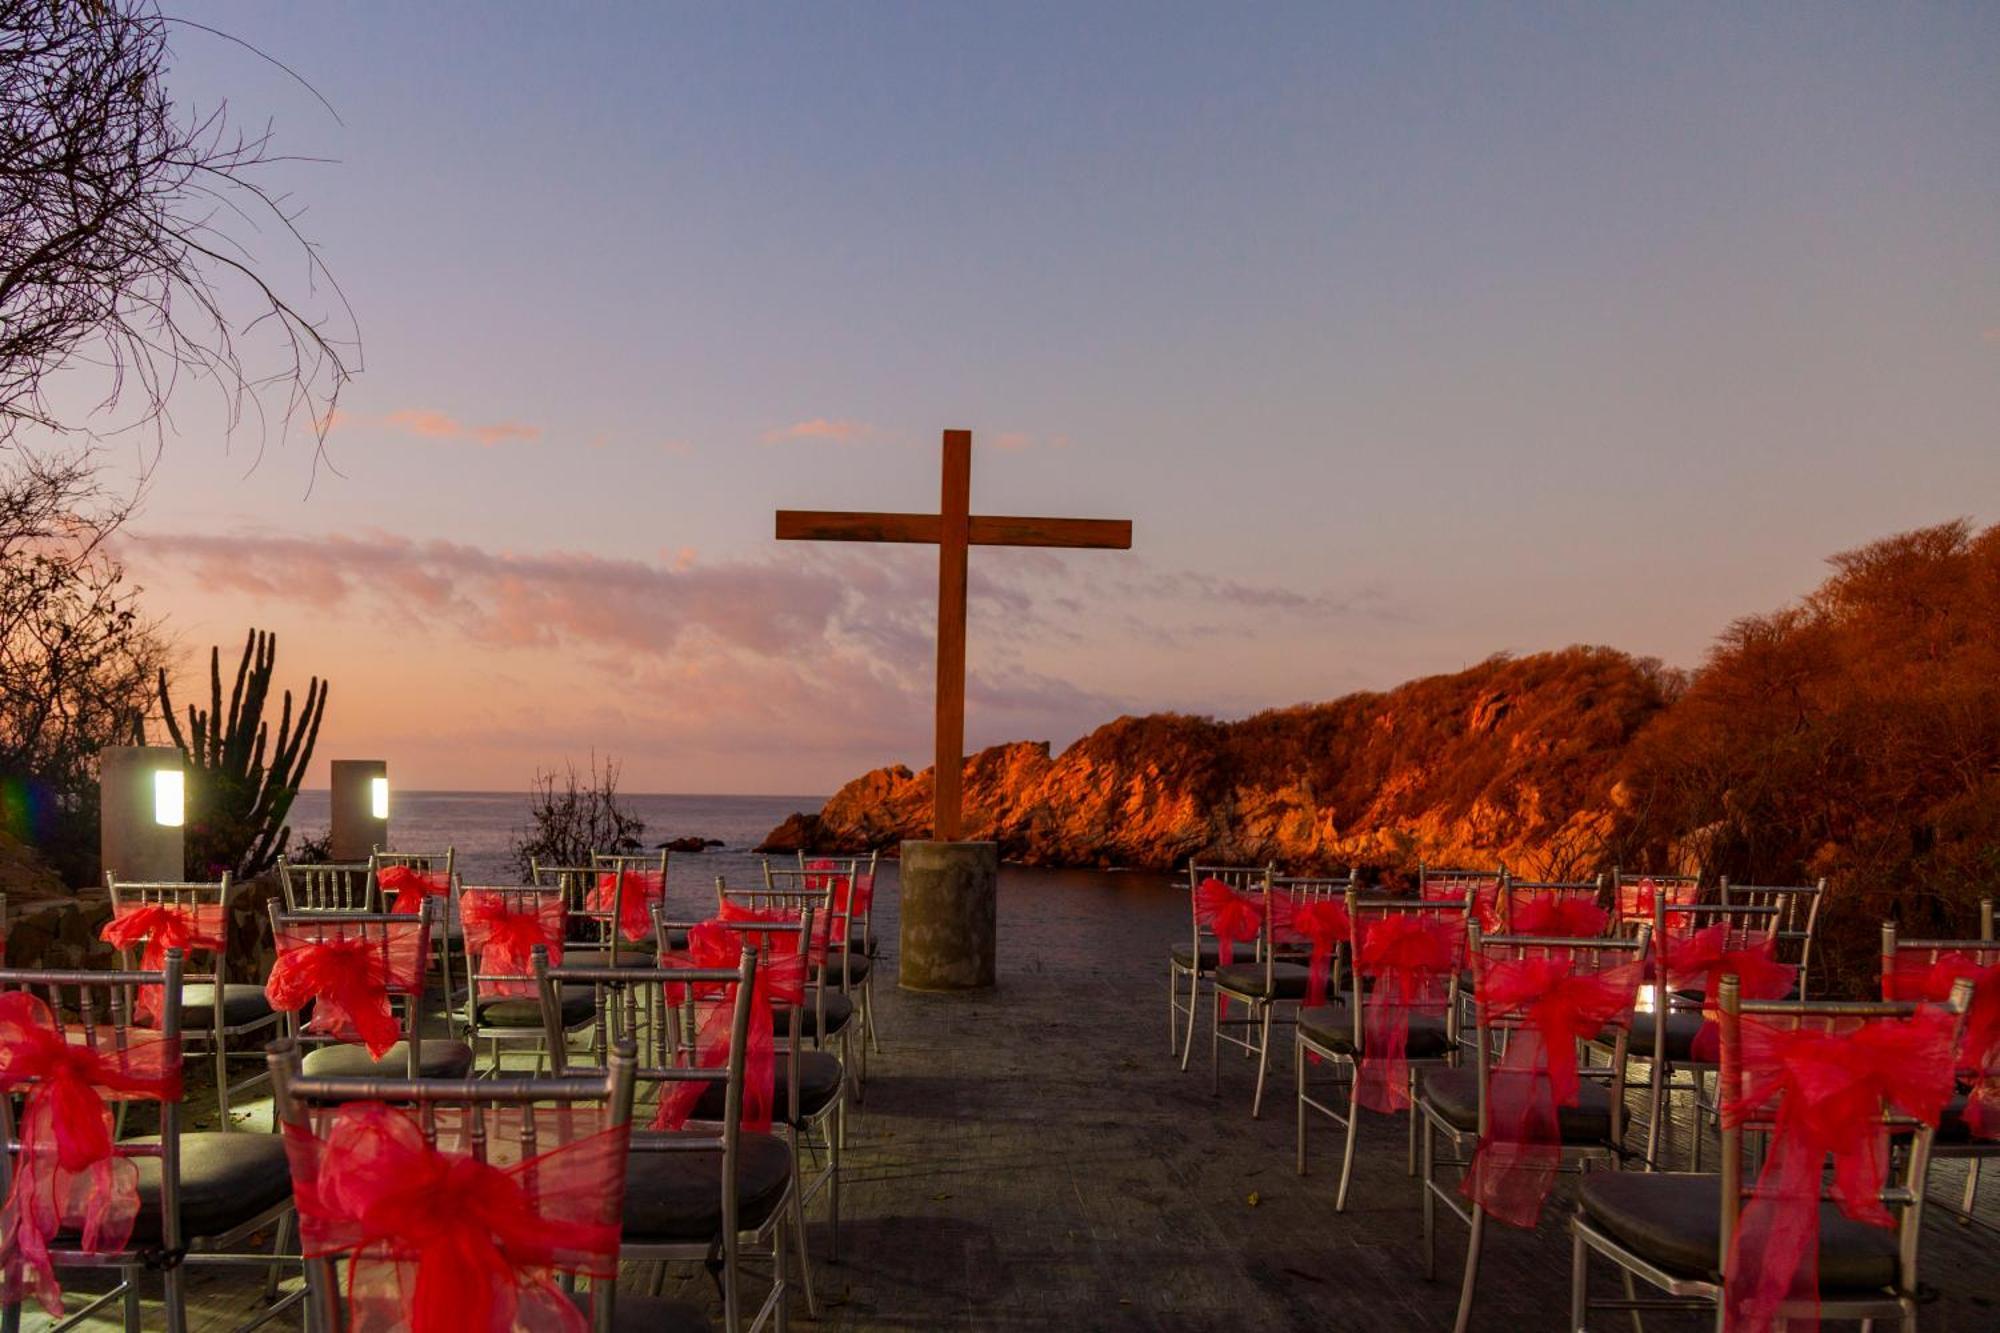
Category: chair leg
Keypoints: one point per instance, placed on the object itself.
(868, 1006)
(1353, 1126)
(173, 1293)
(1655, 1103)
(1971, 1190)
(1299, 1107)
(1579, 1281)
(1410, 1166)
(1472, 1248)
(798, 1228)
(1215, 1050)
(832, 1198)
(131, 1277)
(1173, 1009)
(1430, 1203)
(779, 1280)
(1193, 1013)
(1263, 1059)
(222, 1079)
(287, 1225)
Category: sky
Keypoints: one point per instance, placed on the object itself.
(1404, 335)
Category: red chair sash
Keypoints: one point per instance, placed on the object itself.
(348, 978)
(1636, 900)
(160, 927)
(1320, 922)
(738, 915)
(781, 979)
(1233, 918)
(441, 1241)
(644, 890)
(1412, 959)
(1699, 960)
(1515, 1164)
(67, 1173)
(1828, 1090)
(1485, 895)
(1979, 1048)
(411, 886)
(1559, 914)
(852, 894)
(502, 938)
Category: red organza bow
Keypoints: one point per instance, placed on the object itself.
(736, 914)
(160, 927)
(1320, 922)
(1233, 918)
(1412, 959)
(781, 979)
(1560, 914)
(1515, 1163)
(67, 1174)
(1979, 1048)
(502, 938)
(1699, 960)
(644, 890)
(347, 979)
(411, 887)
(1829, 1090)
(851, 893)
(443, 1242)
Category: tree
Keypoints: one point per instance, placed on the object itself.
(76, 657)
(567, 823)
(240, 802)
(122, 246)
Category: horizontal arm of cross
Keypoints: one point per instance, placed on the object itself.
(985, 530)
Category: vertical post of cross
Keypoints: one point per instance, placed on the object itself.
(954, 537)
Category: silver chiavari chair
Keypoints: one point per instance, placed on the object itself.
(214, 1010)
(857, 965)
(1197, 958)
(1955, 1139)
(499, 1122)
(209, 1194)
(1633, 892)
(1337, 1033)
(1798, 918)
(594, 938)
(863, 869)
(1516, 892)
(698, 1193)
(1263, 984)
(1456, 1104)
(1673, 1230)
(503, 1007)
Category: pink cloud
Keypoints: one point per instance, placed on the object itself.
(430, 425)
(820, 428)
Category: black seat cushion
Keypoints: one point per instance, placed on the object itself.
(856, 969)
(1331, 1028)
(1953, 1131)
(676, 1197)
(862, 941)
(839, 1012)
(1288, 981)
(242, 1003)
(1674, 1220)
(629, 954)
(1454, 1094)
(437, 1058)
(520, 1012)
(1686, 1042)
(820, 1077)
(227, 1179)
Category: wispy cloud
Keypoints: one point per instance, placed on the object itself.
(430, 425)
(820, 428)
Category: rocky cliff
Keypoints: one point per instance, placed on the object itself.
(1514, 760)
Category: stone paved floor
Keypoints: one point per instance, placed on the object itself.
(1032, 1158)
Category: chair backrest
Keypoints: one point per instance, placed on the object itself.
(492, 973)
(1430, 876)
(1633, 892)
(1579, 957)
(1762, 1119)
(330, 886)
(400, 940)
(1798, 916)
(1516, 893)
(206, 907)
(95, 1009)
(1439, 992)
(1254, 881)
(503, 1123)
(855, 873)
(788, 890)
(579, 884)
(651, 863)
(427, 863)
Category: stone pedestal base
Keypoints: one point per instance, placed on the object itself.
(949, 896)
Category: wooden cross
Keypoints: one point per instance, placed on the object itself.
(952, 529)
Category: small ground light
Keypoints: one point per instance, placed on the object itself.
(378, 797)
(169, 797)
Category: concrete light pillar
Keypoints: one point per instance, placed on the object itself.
(949, 895)
(142, 794)
(360, 808)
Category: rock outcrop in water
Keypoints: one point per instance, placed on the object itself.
(1514, 759)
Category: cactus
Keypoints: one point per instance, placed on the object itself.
(240, 803)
